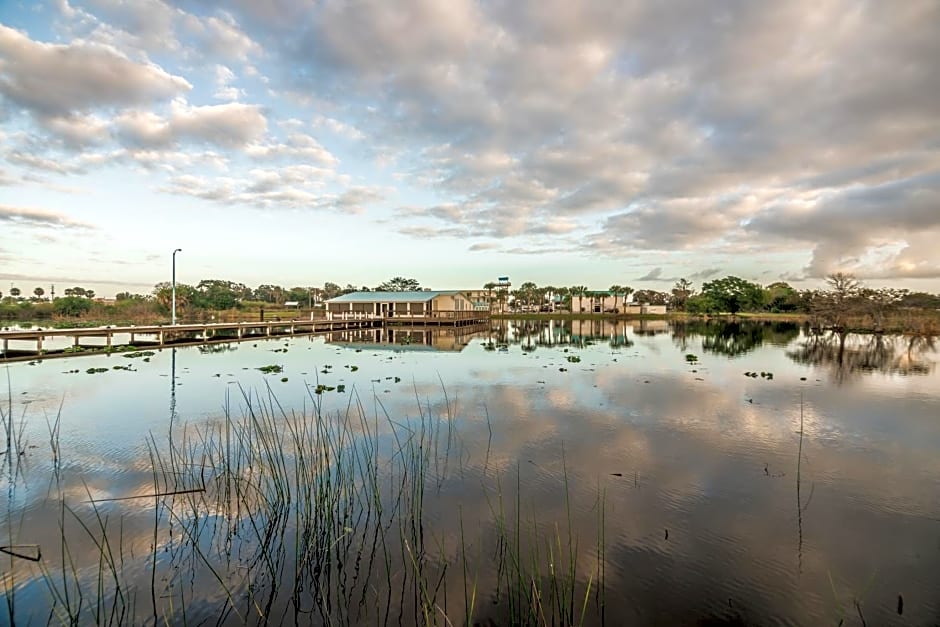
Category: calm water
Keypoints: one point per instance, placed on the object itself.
(676, 490)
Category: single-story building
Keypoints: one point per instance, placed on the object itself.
(605, 301)
(596, 302)
(426, 303)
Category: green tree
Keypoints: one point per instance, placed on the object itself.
(39, 292)
(269, 293)
(399, 284)
(780, 297)
(528, 291)
(71, 306)
(15, 292)
(331, 290)
(218, 294)
(122, 296)
(700, 304)
(652, 297)
(185, 295)
(733, 294)
(615, 290)
(620, 291)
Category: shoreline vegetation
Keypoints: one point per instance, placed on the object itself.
(846, 305)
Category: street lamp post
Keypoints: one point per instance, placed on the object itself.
(173, 306)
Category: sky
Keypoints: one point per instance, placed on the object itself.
(566, 143)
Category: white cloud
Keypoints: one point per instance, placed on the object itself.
(220, 36)
(53, 80)
(223, 88)
(297, 146)
(36, 217)
(78, 130)
(337, 127)
(232, 125)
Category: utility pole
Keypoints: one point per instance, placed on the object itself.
(173, 306)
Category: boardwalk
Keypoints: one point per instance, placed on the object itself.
(26, 344)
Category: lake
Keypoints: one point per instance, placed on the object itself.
(540, 472)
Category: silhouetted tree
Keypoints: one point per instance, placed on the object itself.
(399, 284)
(681, 292)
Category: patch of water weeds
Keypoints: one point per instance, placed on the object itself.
(313, 517)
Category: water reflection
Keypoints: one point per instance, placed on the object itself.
(732, 338)
(689, 478)
(451, 339)
(847, 356)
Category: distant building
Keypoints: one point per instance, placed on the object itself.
(595, 302)
(603, 301)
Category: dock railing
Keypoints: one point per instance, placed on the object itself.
(433, 315)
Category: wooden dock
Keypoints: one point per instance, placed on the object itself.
(29, 344)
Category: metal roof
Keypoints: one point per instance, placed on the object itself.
(417, 296)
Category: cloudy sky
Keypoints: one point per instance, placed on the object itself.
(300, 141)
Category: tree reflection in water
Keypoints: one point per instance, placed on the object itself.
(849, 354)
(732, 339)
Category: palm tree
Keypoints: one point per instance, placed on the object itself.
(527, 291)
(625, 291)
(15, 292)
(39, 292)
(616, 290)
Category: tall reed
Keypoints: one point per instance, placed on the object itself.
(282, 515)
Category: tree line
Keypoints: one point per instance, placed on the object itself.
(205, 296)
(843, 301)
